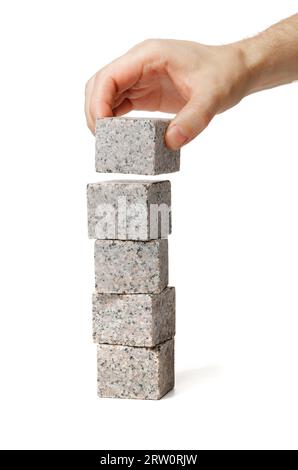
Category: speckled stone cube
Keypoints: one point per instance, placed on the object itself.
(134, 319)
(135, 267)
(134, 145)
(129, 209)
(130, 372)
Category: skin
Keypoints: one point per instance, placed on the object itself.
(191, 80)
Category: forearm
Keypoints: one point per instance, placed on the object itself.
(272, 56)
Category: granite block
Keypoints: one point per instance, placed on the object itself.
(129, 209)
(130, 372)
(125, 267)
(134, 145)
(134, 319)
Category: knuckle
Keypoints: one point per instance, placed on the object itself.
(97, 76)
(150, 43)
(154, 43)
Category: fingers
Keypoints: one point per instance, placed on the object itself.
(88, 91)
(193, 118)
(99, 105)
(103, 96)
(123, 108)
(106, 89)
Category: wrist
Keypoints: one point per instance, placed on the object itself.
(271, 57)
(257, 63)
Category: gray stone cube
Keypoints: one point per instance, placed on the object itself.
(131, 266)
(130, 372)
(129, 210)
(134, 319)
(134, 145)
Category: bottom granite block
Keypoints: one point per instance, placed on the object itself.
(134, 372)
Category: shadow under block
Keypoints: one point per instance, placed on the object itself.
(134, 145)
(129, 209)
(135, 267)
(130, 372)
(143, 320)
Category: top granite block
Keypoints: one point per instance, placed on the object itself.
(134, 145)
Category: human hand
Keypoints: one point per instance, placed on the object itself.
(192, 80)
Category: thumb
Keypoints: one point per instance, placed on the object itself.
(190, 121)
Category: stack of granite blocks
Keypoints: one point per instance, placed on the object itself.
(133, 307)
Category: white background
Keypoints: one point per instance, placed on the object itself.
(233, 252)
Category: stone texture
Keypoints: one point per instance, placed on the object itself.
(134, 145)
(129, 209)
(134, 319)
(130, 372)
(131, 266)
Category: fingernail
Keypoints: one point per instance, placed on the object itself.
(175, 137)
